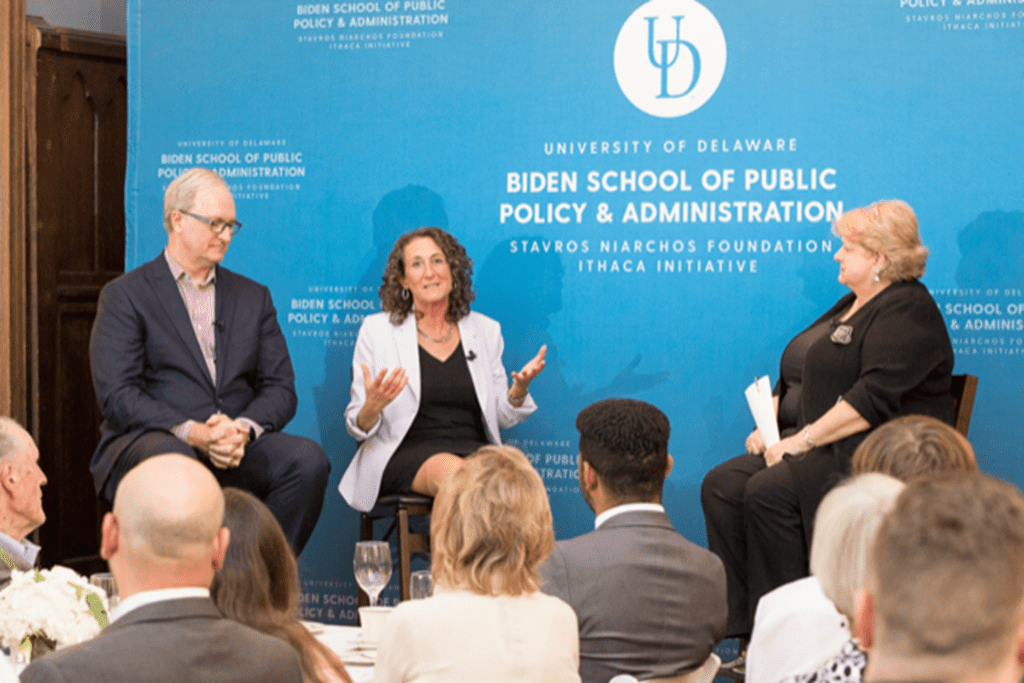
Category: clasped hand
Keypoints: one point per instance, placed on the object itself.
(773, 455)
(222, 439)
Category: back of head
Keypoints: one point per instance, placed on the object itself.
(259, 583)
(259, 578)
(169, 510)
(913, 445)
(491, 525)
(180, 195)
(626, 442)
(947, 572)
(844, 529)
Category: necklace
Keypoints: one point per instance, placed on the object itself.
(442, 340)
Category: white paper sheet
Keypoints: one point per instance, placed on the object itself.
(762, 406)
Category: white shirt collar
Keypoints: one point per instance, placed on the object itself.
(626, 507)
(25, 549)
(149, 597)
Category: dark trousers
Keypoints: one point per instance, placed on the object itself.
(753, 519)
(287, 472)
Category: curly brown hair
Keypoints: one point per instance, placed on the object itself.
(395, 300)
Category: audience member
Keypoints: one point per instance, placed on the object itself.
(800, 640)
(259, 585)
(164, 541)
(187, 357)
(487, 620)
(944, 595)
(914, 445)
(798, 620)
(21, 498)
(649, 602)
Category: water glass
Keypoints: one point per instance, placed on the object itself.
(421, 585)
(372, 566)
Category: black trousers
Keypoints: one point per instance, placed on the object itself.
(288, 473)
(754, 525)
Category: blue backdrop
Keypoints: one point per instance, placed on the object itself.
(646, 188)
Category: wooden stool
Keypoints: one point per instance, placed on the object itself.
(398, 508)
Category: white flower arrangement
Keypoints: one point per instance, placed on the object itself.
(53, 603)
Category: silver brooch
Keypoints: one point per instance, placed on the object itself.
(842, 335)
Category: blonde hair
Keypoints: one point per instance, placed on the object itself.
(913, 445)
(887, 227)
(181, 193)
(491, 525)
(844, 529)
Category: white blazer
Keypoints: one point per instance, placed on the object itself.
(382, 345)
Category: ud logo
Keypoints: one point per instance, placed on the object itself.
(670, 57)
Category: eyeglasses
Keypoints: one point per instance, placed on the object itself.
(217, 225)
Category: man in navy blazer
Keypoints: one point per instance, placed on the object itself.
(649, 603)
(188, 357)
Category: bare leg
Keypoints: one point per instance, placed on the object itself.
(431, 473)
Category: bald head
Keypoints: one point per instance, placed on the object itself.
(169, 510)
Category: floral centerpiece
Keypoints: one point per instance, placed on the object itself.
(54, 607)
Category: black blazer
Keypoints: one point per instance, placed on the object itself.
(149, 372)
(176, 640)
(898, 361)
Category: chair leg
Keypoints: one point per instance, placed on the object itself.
(405, 560)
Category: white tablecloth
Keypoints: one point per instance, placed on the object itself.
(340, 640)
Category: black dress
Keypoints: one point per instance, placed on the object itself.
(891, 358)
(448, 420)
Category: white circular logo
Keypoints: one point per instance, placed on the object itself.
(670, 57)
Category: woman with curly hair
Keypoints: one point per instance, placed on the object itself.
(259, 585)
(428, 385)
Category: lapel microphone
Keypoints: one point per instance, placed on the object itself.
(471, 355)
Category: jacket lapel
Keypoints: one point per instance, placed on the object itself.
(409, 353)
(477, 366)
(170, 298)
(224, 312)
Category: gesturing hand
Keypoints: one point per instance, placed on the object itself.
(382, 389)
(521, 380)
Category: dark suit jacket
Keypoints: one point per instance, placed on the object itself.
(149, 372)
(649, 602)
(175, 640)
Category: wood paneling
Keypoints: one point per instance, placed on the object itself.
(76, 227)
(13, 242)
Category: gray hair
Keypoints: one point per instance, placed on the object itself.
(12, 438)
(181, 193)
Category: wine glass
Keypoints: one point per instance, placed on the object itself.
(372, 566)
(105, 580)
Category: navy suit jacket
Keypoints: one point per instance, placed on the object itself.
(175, 640)
(149, 372)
